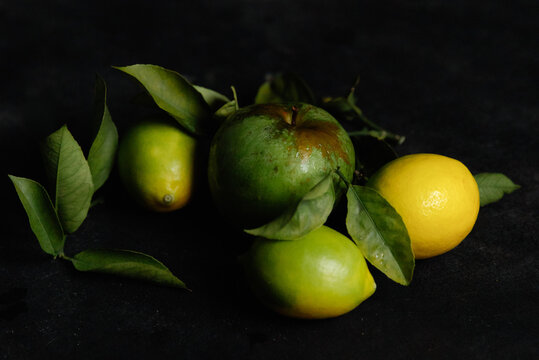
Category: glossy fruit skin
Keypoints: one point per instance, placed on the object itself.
(265, 157)
(320, 275)
(157, 164)
(436, 196)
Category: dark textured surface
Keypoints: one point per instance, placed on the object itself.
(457, 78)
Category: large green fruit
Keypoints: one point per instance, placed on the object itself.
(319, 275)
(264, 158)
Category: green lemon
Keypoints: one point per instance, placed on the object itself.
(320, 275)
(157, 164)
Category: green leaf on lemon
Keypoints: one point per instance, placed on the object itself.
(282, 88)
(126, 263)
(42, 216)
(175, 95)
(379, 232)
(70, 176)
(103, 149)
(493, 186)
(308, 214)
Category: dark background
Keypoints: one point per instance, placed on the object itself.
(458, 78)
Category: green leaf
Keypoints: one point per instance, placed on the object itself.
(213, 98)
(308, 214)
(225, 111)
(346, 109)
(42, 216)
(126, 263)
(287, 87)
(379, 232)
(70, 177)
(175, 95)
(492, 187)
(103, 149)
(340, 108)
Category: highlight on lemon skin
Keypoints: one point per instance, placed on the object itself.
(436, 196)
(157, 164)
(320, 275)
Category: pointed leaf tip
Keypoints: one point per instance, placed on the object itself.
(493, 186)
(172, 93)
(103, 149)
(308, 214)
(378, 230)
(126, 263)
(42, 216)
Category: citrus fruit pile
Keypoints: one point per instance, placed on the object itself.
(277, 169)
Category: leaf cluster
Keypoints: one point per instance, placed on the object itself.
(73, 181)
(372, 223)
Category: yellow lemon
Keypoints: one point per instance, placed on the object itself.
(320, 275)
(436, 196)
(157, 164)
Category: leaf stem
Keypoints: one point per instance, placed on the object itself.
(343, 178)
(379, 134)
(378, 131)
(62, 255)
(235, 97)
(385, 134)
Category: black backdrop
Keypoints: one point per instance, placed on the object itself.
(457, 78)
